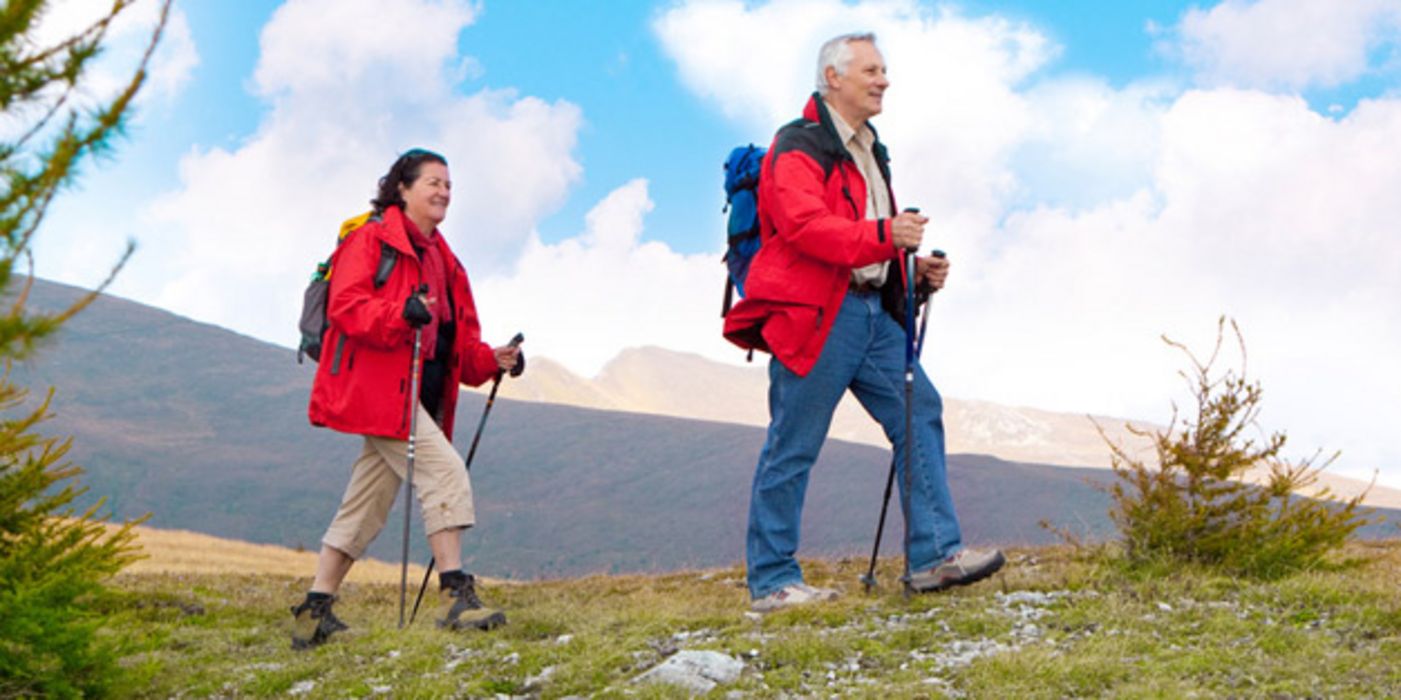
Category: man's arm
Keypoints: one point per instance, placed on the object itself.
(796, 202)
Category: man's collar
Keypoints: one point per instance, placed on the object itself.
(845, 133)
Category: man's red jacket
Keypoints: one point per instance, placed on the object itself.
(812, 220)
(362, 381)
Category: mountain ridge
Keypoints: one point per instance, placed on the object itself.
(207, 430)
(658, 381)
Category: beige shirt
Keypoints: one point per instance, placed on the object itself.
(859, 144)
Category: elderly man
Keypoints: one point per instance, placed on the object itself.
(823, 298)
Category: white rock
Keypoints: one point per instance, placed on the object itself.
(696, 671)
(302, 688)
(540, 678)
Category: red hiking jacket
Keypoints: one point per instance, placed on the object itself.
(362, 381)
(812, 220)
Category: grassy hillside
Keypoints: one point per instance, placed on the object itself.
(184, 552)
(1053, 625)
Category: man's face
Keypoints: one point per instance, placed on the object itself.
(857, 94)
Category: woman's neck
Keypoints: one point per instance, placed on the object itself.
(424, 226)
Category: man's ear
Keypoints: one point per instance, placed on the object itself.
(830, 75)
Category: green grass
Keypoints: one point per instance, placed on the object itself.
(1055, 624)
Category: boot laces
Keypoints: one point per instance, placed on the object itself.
(468, 595)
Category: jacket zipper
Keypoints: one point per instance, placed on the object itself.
(336, 359)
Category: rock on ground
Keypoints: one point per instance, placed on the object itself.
(697, 671)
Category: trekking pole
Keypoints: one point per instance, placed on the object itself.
(408, 477)
(869, 579)
(924, 317)
(472, 452)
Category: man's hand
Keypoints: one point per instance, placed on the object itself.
(932, 272)
(907, 230)
(506, 357)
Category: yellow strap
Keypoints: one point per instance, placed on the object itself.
(353, 223)
(347, 226)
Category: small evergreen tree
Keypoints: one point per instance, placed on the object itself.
(54, 560)
(1196, 505)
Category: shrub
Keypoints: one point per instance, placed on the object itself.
(1196, 505)
(53, 561)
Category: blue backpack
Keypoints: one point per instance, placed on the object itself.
(742, 203)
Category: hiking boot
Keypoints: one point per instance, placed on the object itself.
(960, 569)
(313, 623)
(792, 595)
(462, 609)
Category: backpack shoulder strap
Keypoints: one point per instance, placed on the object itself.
(388, 255)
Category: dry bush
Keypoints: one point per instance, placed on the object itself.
(1194, 506)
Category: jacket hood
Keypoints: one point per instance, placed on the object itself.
(394, 233)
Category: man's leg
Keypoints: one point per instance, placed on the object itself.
(880, 387)
(800, 411)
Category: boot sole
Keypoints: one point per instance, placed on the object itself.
(486, 624)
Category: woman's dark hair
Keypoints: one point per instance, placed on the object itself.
(403, 172)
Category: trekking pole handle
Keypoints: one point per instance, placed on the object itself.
(911, 210)
(519, 367)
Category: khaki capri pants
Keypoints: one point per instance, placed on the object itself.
(440, 479)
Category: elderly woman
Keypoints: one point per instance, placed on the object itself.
(364, 386)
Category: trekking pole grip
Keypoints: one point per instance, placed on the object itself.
(519, 367)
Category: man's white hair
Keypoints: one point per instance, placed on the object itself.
(836, 52)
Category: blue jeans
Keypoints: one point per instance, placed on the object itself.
(866, 353)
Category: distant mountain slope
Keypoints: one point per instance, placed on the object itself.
(665, 382)
(207, 430)
(684, 385)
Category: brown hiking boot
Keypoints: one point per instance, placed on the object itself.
(462, 609)
(313, 623)
(960, 569)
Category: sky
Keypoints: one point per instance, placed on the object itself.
(1100, 174)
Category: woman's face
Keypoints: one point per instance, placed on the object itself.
(427, 198)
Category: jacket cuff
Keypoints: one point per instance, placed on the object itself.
(880, 230)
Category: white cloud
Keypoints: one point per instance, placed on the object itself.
(952, 78)
(1290, 44)
(582, 300)
(1083, 221)
(171, 66)
(321, 48)
(246, 226)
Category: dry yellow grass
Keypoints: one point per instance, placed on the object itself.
(181, 551)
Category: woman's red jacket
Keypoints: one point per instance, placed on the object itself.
(362, 381)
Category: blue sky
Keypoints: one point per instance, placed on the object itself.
(1101, 173)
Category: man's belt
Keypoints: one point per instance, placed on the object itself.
(862, 287)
